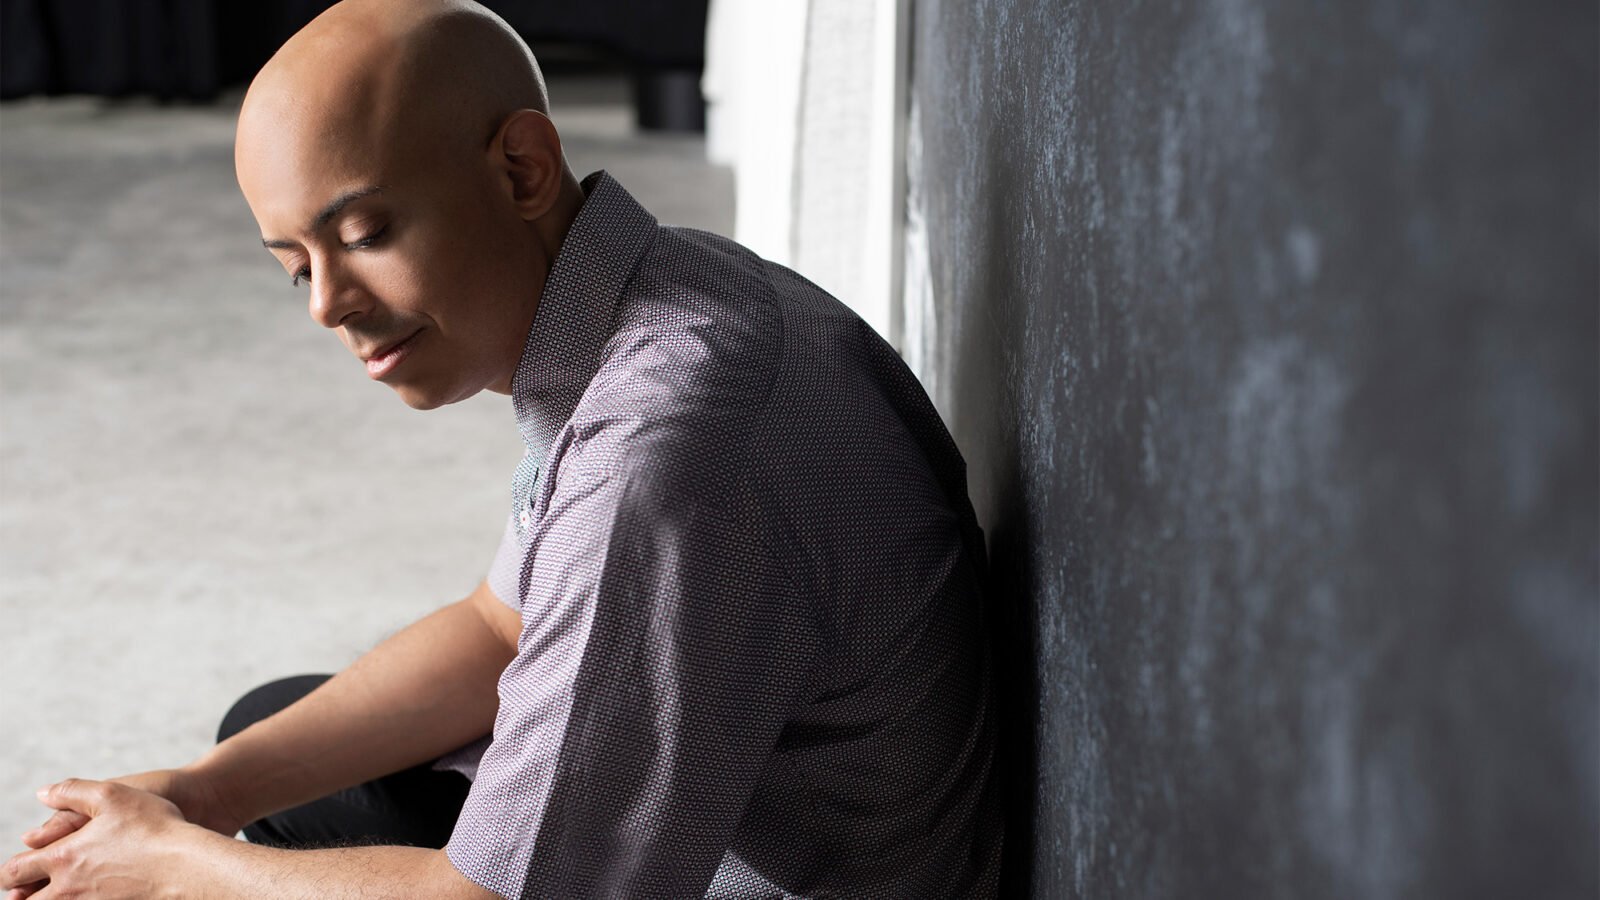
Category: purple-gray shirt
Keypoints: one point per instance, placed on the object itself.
(753, 659)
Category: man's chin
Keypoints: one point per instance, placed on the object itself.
(428, 397)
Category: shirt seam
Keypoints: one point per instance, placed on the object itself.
(760, 442)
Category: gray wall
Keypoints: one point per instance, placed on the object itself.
(1269, 332)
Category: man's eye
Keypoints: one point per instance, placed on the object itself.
(367, 241)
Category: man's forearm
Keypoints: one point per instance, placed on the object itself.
(214, 866)
(421, 693)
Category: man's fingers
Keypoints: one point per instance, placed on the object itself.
(58, 826)
(27, 890)
(23, 869)
(79, 795)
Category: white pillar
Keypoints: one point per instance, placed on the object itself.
(807, 101)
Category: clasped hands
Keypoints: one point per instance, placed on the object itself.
(112, 839)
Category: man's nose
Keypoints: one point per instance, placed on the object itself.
(337, 298)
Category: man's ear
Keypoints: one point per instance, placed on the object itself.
(526, 153)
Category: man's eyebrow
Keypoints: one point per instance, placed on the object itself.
(328, 212)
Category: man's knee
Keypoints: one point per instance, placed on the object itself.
(264, 701)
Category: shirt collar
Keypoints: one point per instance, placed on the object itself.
(577, 311)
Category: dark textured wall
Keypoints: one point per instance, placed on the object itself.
(1269, 332)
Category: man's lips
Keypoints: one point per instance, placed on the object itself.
(383, 360)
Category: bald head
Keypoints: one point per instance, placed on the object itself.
(399, 156)
(377, 76)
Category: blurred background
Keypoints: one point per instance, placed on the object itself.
(1269, 333)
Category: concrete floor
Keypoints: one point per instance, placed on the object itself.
(200, 489)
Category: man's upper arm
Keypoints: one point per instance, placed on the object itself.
(496, 597)
(505, 622)
(663, 655)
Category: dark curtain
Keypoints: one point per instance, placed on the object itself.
(170, 49)
(190, 49)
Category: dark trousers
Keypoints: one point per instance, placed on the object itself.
(416, 807)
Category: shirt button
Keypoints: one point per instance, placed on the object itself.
(526, 519)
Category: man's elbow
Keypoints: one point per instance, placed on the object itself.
(446, 882)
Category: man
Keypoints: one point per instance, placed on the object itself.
(732, 643)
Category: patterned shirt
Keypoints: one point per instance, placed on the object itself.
(753, 658)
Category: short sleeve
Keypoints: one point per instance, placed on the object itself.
(662, 652)
(505, 571)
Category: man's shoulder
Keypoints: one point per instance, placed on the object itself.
(690, 268)
(699, 331)
(723, 266)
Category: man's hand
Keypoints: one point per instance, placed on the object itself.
(423, 692)
(134, 844)
(197, 800)
(115, 849)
